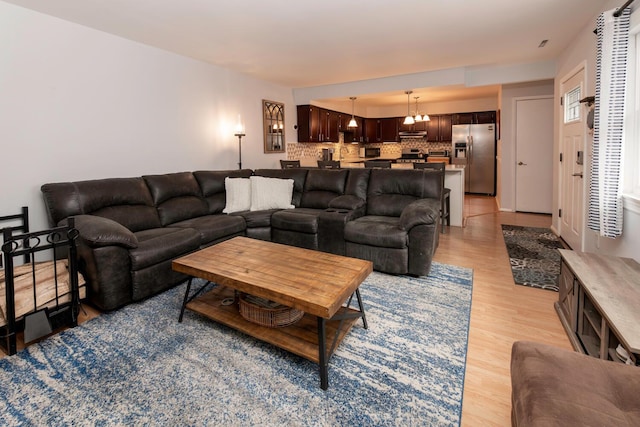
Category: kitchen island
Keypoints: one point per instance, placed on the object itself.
(453, 180)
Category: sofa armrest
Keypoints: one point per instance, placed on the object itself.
(346, 201)
(420, 212)
(97, 232)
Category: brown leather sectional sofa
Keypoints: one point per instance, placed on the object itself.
(132, 228)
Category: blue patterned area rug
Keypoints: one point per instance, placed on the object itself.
(533, 254)
(139, 366)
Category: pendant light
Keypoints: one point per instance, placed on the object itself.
(409, 119)
(352, 122)
(418, 117)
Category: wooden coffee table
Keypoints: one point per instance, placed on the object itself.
(317, 283)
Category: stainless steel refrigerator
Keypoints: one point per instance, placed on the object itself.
(475, 147)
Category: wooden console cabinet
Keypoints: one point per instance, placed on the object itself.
(599, 304)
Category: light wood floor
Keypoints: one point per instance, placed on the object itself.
(501, 312)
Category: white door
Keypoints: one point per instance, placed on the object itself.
(534, 155)
(572, 146)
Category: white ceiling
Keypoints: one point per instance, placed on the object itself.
(311, 43)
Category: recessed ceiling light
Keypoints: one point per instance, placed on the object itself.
(543, 43)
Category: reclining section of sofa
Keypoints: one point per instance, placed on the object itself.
(125, 252)
(399, 231)
(132, 228)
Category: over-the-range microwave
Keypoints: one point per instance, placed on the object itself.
(369, 152)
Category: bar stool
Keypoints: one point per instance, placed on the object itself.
(382, 164)
(289, 164)
(446, 192)
(328, 164)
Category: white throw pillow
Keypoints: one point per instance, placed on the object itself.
(238, 192)
(271, 193)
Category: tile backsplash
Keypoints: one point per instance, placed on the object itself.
(301, 150)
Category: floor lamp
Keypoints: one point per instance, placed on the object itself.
(239, 133)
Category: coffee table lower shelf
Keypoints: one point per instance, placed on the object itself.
(301, 338)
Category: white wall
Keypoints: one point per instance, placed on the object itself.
(583, 49)
(77, 103)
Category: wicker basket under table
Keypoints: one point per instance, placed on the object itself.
(267, 313)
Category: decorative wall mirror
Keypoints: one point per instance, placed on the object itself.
(273, 119)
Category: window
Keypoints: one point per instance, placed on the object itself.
(572, 105)
(631, 147)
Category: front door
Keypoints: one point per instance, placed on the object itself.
(572, 148)
(534, 155)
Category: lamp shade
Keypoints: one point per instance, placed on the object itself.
(239, 130)
(352, 122)
(409, 119)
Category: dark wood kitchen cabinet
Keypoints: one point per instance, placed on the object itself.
(308, 123)
(332, 126)
(370, 131)
(439, 128)
(388, 129)
(462, 118)
(381, 130)
(485, 117)
(317, 124)
(479, 117)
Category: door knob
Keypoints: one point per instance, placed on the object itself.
(578, 174)
(522, 164)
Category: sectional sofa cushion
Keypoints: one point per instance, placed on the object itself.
(379, 231)
(212, 186)
(214, 227)
(390, 191)
(124, 200)
(302, 220)
(177, 196)
(162, 244)
(322, 186)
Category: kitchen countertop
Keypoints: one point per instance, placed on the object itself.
(358, 162)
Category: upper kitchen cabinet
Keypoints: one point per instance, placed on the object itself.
(474, 118)
(308, 123)
(388, 130)
(462, 119)
(485, 117)
(439, 128)
(332, 127)
(370, 132)
(317, 124)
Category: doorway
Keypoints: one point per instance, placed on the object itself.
(534, 154)
(571, 171)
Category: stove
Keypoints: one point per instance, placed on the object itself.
(411, 155)
(410, 160)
